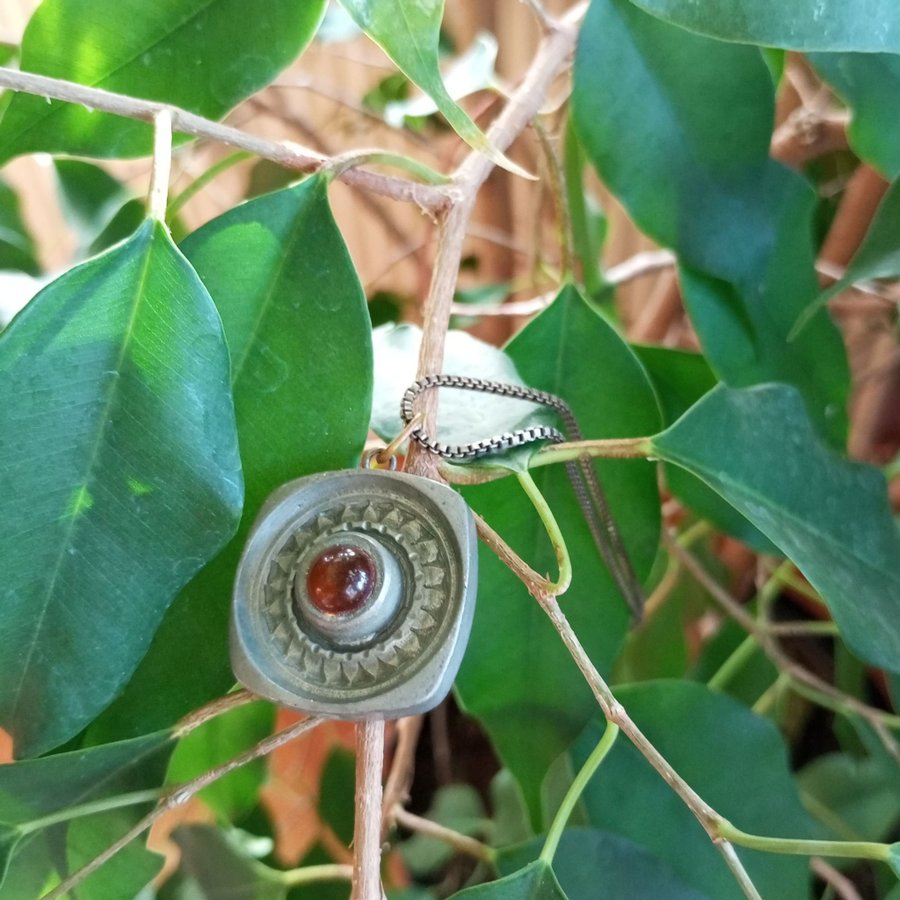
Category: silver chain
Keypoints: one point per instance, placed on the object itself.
(582, 474)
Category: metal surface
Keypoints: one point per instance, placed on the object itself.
(399, 653)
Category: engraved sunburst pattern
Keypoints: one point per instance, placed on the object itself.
(419, 625)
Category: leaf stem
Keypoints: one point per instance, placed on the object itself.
(162, 164)
(90, 808)
(800, 847)
(346, 161)
(733, 664)
(576, 789)
(616, 448)
(312, 874)
(543, 510)
(204, 179)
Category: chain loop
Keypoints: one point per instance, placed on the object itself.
(582, 473)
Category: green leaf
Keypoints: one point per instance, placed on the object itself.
(535, 882)
(40, 800)
(120, 477)
(679, 127)
(218, 741)
(758, 450)
(832, 25)
(298, 330)
(455, 806)
(859, 798)
(202, 55)
(466, 416)
(590, 864)
(517, 677)
(409, 33)
(870, 84)
(894, 859)
(218, 868)
(17, 250)
(680, 380)
(337, 794)
(734, 759)
(877, 257)
(89, 196)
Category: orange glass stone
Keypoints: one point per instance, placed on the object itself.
(341, 579)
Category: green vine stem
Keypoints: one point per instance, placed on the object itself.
(337, 165)
(313, 874)
(742, 654)
(799, 847)
(89, 809)
(576, 789)
(197, 185)
(615, 448)
(542, 508)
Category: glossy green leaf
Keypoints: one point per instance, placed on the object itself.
(869, 26)
(758, 450)
(40, 800)
(298, 330)
(877, 257)
(679, 128)
(870, 84)
(680, 379)
(466, 416)
(860, 797)
(214, 743)
(410, 33)
(17, 250)
(734, 759)
(218, 868)
(119, 477)
(534, 882)
(203, 55)
(517, 677)
(589, 864)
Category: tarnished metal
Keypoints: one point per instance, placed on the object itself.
(398, 654)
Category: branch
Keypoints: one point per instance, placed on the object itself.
(285, 153)
(367, 822)
(526, 101)
(804, 681)
(178, 796)
(218, 707)
(461, 842)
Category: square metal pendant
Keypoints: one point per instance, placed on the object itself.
(355, 595)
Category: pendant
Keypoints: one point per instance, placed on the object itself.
(355, 594)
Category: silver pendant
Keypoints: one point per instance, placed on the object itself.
(355, 594)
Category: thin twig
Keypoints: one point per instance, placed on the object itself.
(739, 872)
(179, 795)
(218, 707)
(637, 266)
(841, 884)
(804, 681)
(285, 153)
(461, 842)
(396, 788)
(367, 823)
